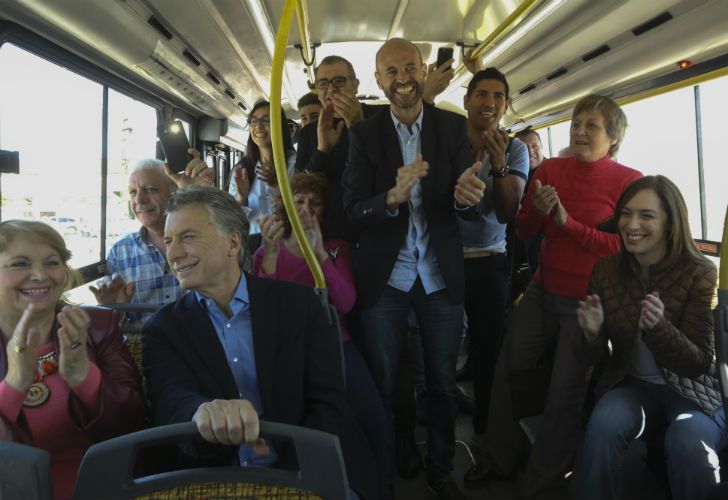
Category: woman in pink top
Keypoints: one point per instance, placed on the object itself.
(68, 381)
(280, 257)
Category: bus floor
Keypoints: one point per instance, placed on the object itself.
(640, 483)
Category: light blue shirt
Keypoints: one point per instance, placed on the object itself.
(261, 197)
(485, 232)
(236, 337)
(416, 257)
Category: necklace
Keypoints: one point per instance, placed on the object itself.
(38, 393)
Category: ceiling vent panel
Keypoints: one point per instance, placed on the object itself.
(652, 24)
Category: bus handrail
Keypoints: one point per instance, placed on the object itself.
(279, 157)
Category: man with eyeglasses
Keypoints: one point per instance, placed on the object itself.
(323, 144)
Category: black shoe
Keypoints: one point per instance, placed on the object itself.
(444, 487)
(480, 475)
(407, 456)
(466, 404)
(465, 372)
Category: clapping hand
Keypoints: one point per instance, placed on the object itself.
(653, 311)
(73, 362)
(590, 316)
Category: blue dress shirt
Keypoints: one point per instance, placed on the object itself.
(236, 337)
(416, 257)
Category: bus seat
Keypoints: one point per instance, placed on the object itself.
(24, 472)
(106, 471)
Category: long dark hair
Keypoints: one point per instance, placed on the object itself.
(252, 151)
(679, 239)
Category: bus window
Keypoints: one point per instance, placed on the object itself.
(714, 113)
(132, 137)
(53, 117)
(661, 139)
(560, 137)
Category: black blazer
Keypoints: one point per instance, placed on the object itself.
(331, 164)
(297, 358)
(371, 170)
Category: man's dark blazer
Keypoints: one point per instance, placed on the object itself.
(331, 164)
(297, 358)
(371, 170)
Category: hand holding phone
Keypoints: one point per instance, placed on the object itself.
(444, 54)
(175, 145)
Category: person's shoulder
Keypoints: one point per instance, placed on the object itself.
(625, 171)
(608, 264)
(445, 116)
(371, 122)
(518, 157)
(370, 110)
(128, 240)
(171, 312)
(263, 286)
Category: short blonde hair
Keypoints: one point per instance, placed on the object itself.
(12, 229)
(615, 121)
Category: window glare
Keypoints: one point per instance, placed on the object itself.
(713, 110)
(53, 118)
(661, 139)
(132, 137)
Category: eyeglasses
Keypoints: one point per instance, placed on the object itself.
(254, 122)
(337, 81)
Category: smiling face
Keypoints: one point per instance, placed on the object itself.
(260, 126)
(199, 255)
(309, 113)
(401, 74)
(535, 150)
(31, 272)
(643, 226)
(311, 203)
(148, 194)
(486, 104)
(331, 73)
(589, 139)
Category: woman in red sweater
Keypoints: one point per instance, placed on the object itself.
(68, 379)
(570, 201)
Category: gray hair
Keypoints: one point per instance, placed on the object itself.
(156, 166)
(226, 214)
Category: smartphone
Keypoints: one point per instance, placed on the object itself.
(444, 54)
(175, 145)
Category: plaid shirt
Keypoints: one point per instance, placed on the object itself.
(138, 261)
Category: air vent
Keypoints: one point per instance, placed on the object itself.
(595, 53)
(230, 93)
(559, 72)
(652, 24)
(242, 106)
(527, 89)
(213, 77)
(191, 57)
(157, 25)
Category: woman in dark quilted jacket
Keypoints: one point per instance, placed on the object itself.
(652, 302)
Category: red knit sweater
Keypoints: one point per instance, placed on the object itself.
(589, 193)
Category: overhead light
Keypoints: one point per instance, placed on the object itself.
(684, 64)
(522, 29)
(263, 24)
(267, 33)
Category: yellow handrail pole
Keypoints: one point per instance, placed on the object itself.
(305, 37)
(508, 23)
(279, 157)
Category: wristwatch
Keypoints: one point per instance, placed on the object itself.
(499, 173)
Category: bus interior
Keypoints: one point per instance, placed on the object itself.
(85, 84)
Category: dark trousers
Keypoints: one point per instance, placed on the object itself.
(382, 334)
(486, 296)
(540, 320)
(692, 441)
(363, 396)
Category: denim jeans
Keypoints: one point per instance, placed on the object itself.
(381, 337)
(692, 441)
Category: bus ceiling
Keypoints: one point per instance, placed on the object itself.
(215, 56)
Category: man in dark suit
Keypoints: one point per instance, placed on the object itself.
(236, 349)
(410, 253)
